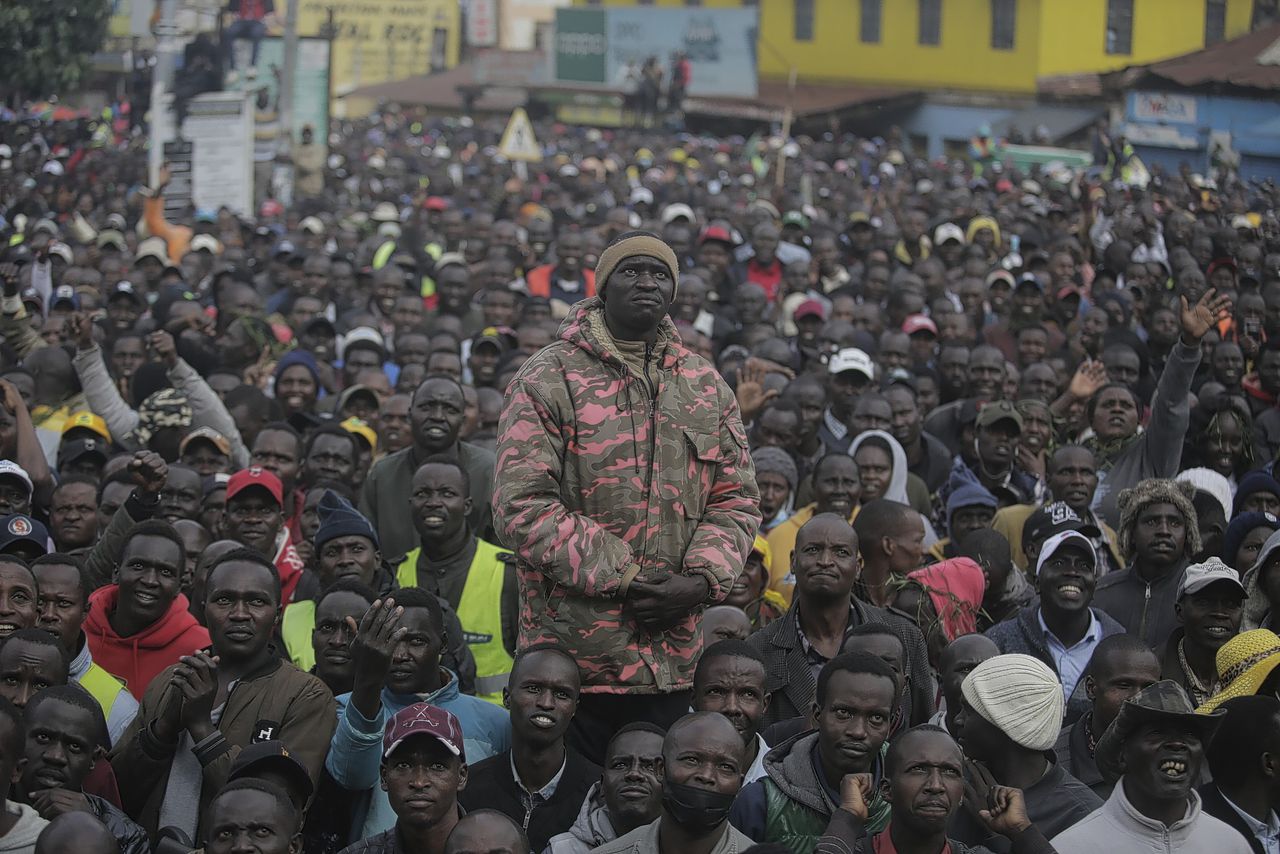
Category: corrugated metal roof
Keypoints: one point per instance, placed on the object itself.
(1249, 61)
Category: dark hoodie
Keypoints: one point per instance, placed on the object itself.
(793, 804)
(135, 660)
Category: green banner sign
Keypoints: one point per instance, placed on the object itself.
(581, 45)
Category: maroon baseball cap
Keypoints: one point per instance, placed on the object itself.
(255, 476)
(810, 308)
(424, 719)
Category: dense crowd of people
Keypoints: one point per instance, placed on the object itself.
(648, 504)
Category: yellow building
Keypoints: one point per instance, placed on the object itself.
(979, 45)
(378, 40)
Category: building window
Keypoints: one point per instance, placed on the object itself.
(1215, 21)
(930, 22)
(1003, 23)
(870, 29)
(803, 20)
(1120, 27)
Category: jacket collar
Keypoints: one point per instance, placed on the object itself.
(1120, 809)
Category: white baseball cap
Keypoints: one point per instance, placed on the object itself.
(947, 231)
(852, 359)
(1058, 541)
(1198, 576)
(8, 468)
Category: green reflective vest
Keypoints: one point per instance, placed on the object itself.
(103, 687)
(480, 613)
(296, 626)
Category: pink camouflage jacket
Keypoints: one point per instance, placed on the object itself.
(592, 478)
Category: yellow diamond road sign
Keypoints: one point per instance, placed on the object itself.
(518, 141)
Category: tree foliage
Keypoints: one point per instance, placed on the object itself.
(46, 45)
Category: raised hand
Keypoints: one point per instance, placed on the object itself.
(149, 471)
(1200, 318)
(80, 328)
(1088, 378)
(1006, 812)
(750, 390)
(376, 637)
(161, 343)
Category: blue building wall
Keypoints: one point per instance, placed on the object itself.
(939, 123)
(1169, 127)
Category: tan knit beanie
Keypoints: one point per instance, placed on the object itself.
(630, 245)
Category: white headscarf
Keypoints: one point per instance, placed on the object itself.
(897, 488)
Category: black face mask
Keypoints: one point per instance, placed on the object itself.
(695, 809)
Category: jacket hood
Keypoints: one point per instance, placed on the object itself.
(582, 326)
(592, 827)
(159, 635)
(790, 766)
(22, 837)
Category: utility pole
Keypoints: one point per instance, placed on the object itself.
(290, 71)
(167, 48)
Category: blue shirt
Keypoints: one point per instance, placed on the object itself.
(1268, 835)
(1070, 662)
(355, 753)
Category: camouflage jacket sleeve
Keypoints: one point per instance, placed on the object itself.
(529, 514)
(722, 541)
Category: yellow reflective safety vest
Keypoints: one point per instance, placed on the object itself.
(480, 613)
(103, 687)
(295, 629)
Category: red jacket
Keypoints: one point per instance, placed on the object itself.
(538, 281)
(137, 659)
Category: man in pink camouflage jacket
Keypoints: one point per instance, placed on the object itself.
(626, 490)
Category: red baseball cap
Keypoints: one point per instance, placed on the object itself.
(436, 203)
(424, 719)
(255, 476)
(809, 308)
(919, 323)
(716, 233)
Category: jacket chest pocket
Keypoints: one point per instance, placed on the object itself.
(697, 472)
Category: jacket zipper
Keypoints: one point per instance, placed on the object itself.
(653, 443)
(1146, 604)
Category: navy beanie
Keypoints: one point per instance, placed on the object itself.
(1251, 483)
(339, 519)
(1239, 528)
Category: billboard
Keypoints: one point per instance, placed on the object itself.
(607, 47)
(379, 40)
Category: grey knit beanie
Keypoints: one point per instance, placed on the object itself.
(777, 461)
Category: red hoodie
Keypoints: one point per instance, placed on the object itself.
(137, 659)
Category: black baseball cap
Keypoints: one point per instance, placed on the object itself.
(272, 755)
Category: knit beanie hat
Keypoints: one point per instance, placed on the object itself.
(1157, 491)
(297, 357)
(1210, 481)
(1020, 696)
(630, 245)
(969, 494)
(1239, 528)
(339, 519)
(778, 461)
(1253, 483)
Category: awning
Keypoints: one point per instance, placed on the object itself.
(1060, 121)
